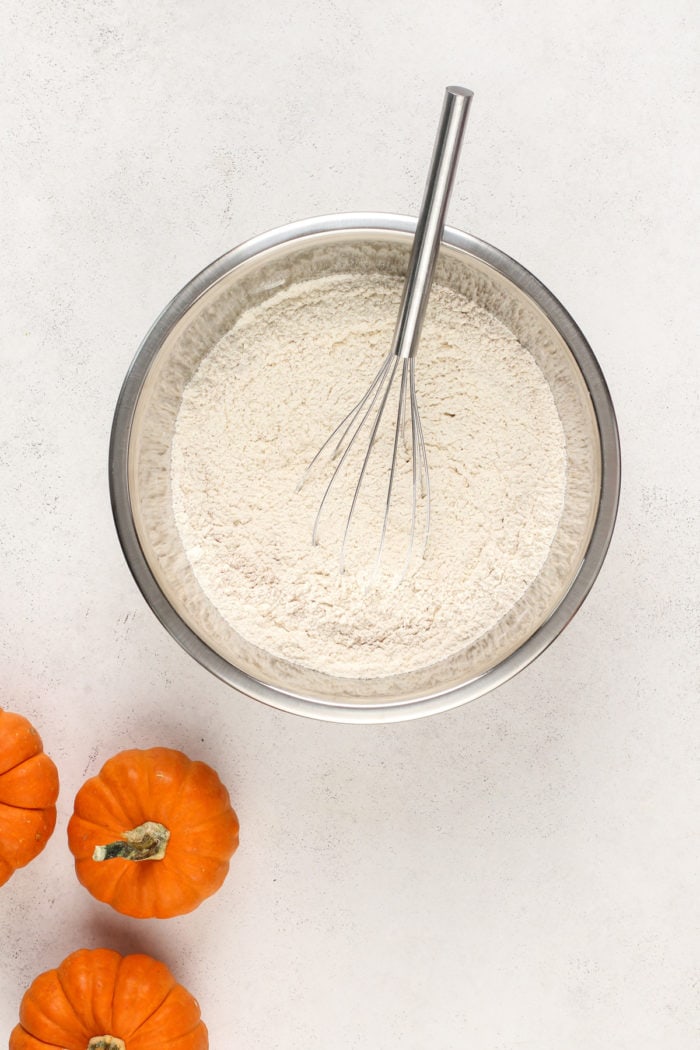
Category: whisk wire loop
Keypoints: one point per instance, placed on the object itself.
(398, 434)
(371, 395)
(421, 460)
(392, 363)
(349, 420)
(404, 346)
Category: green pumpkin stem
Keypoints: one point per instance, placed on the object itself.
(106, 1042)
(146, 842)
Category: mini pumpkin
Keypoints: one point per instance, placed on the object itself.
(28, 793)
(152, 834)
(100, 1000)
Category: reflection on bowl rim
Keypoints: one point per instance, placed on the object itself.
(387, 711)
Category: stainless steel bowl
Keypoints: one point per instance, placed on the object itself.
(139, 464)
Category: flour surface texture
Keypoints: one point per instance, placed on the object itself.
(264, 400)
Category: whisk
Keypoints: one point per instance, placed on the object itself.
(365, 417)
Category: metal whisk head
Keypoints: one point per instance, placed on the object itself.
(408, 443)
(367, 415)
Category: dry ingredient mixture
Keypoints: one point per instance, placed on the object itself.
(264, 400)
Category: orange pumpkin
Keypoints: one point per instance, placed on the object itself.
(152, 833)
(28, 793)
(100, 1000)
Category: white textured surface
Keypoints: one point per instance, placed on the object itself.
(521, 874)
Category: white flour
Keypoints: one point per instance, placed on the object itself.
(261, 404)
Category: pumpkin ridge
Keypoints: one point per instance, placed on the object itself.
(162, 1039)
(185, 849)
(36, 827)
(150, 790)
(174, 802)
(68, 999)
(202, 841)
(118, 879)
(154, 1010)
(42, 1042)
(220, 833)
(114, 990)
(200, 854)
(188, 892)
(96, 793)
(118, 787)
(213, 817)
(34, 782)
(183, 1035)
(21, 762)
(179, 809)
(20, 731)
(188, 873)
(30, 809)
(123, 797)
(107, 831)
(179, 876)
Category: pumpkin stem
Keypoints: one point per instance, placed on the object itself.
(146, 842)
(106, 1042)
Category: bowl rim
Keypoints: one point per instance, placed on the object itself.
(371, 711)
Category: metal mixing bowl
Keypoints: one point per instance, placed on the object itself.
(139, 463)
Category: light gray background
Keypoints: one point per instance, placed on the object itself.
(520, 874)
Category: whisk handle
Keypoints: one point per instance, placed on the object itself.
(431, 221)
